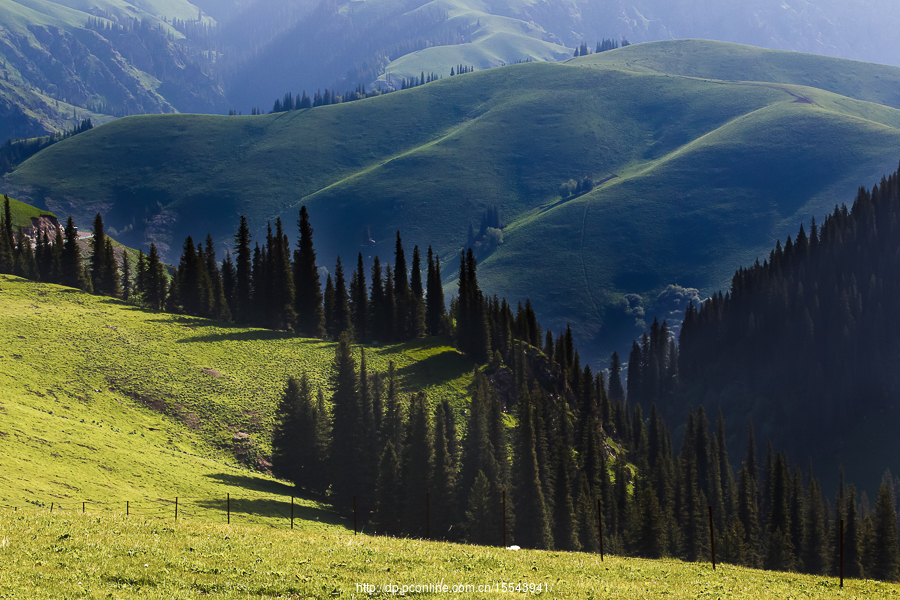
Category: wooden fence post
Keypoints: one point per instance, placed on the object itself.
(82, 507)
(228, 507)
(355, 530)
(427, 516)
(127, 508)
(842, 553)
(504, 518)
(176, 509)
(600, 523)
(292, 512)
(712, 538)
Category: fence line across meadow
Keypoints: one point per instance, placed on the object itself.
(176, 507)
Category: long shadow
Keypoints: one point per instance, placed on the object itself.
(255, 484)
(437, 368)
(270, 509)
(253, 335)
(267, 507)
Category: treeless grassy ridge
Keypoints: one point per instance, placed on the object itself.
(101, 556)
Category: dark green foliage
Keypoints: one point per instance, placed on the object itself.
(533, 516)
(359, 301)
(310, 315)
(417, 327)
(346, 479)
(220, 307)
(435, 309)
(565, 524)
(882, 554)
(157, 284)
(126, 277)
(444, 509)
(418, 465)
(815, 546)
(378, 331)
(72, 266)
(402, 294)
(242, 307)
(341, 304)
(389, 493)
(328, 312)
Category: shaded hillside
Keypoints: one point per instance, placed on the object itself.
(805, 342)
(676, 160)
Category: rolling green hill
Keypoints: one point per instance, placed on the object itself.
(106, 403)
(706, 153)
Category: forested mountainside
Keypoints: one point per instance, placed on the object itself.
(598, 175)
(804, 343)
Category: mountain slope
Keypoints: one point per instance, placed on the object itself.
(57, 68)
(698, 174)
(105, 402)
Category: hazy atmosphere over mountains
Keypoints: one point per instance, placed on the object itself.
(64, 60)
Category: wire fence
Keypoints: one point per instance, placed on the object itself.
(282, 513)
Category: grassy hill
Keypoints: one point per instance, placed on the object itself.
(96, 556)
(707, 152)
(106, 403)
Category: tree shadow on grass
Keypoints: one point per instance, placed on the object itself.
(436, 369)
(255, 484)
(268, 508)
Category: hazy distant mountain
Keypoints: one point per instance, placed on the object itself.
(344, 43)
(64, 60)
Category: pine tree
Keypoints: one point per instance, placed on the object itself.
(781, 551)
(341, 309)
(281, 282)
(403, 325)
(376, 319)
(418, 464)
(72, 266)
(814, 543)
(884, 564)
(534, 520)
(359, 302)
(616, 392)
(346, 444)
(417, 298)
(443, 485)
(290, 417)
(243, 286)
(8, 223)
(310, 312)
(6, 254)
(388, 493)
(98, 257)
(852, 554)
(328, 309)
(140, 274)
(111, 271)
(126, 277)
(220, 308)
(435, 308)
(565, 532)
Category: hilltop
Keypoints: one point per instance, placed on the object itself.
(734, 149)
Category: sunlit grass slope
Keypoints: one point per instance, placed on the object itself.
(103, 402)
(94, 556)
(708, 152)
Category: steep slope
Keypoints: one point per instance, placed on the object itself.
(698, 174)
(106, 403)
(59, 68)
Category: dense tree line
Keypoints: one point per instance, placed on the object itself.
(809, 332)
(15, 152)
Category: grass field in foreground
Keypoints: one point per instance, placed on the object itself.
(90, 556)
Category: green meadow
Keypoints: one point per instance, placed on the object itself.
(113, 556)
(107, 403)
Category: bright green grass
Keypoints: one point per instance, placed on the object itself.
(22, 213)
(103, 556)
(106, 403)
(709, 172)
